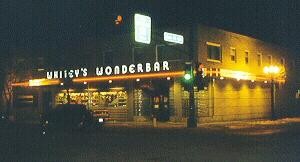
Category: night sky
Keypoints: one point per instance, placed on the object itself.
(41, 25)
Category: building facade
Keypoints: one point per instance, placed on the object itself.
(134, 82)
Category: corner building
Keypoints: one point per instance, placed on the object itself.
(117, 84)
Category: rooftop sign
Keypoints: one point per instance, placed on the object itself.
(142, 28)
(174, 38)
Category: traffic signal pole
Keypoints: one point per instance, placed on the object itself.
(192, 119)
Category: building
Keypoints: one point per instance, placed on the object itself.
(131, 82)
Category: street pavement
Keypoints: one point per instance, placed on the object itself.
(241, 141)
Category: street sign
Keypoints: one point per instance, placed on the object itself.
(174, 38)
(142, 28)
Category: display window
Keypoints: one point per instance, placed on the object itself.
(95, 99)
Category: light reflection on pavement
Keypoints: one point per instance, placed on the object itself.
(259, 127)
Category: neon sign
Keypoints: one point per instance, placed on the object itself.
(110, 70)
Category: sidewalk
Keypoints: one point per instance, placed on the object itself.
(229, 125)
(146, 124)
(254, 123)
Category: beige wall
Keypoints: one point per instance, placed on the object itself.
(176, 100)
(237, 100)
(241, 44)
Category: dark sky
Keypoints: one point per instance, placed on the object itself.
(39, 25)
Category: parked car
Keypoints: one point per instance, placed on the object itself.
(68, 117)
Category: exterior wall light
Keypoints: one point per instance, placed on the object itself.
(61, 83)
(271, 69)
(168, 78)
(221, 78)
(239, 75)
(138, 79)
(84, 82)
(110, 81)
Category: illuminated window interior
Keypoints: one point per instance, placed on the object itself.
(95, 99)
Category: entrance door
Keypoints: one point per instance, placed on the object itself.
(160, 98)
(161, 107)
(47, 101)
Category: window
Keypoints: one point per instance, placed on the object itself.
(269, 59)
(259, 59)
(214, 52)
(233, 54)
(246, 57)
(95, 98)
(282, 61)
(25, 100)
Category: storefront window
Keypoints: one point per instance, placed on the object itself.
(94, 99)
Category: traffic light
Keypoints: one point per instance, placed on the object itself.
(199, 78)
(188, 77)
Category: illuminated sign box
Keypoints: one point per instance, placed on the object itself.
(174, 38)
(142, 28)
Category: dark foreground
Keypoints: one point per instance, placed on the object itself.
(241, 141)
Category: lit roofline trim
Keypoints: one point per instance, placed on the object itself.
(105, 78)
(133, 76)
(20, 84)
(39, 82)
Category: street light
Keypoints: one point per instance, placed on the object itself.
(272, 71)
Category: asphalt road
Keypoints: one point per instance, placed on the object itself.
(230, 142)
